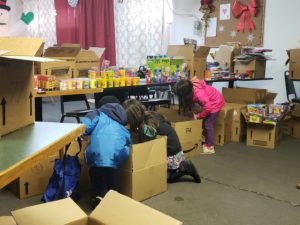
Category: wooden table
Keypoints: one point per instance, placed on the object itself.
(28, 146)
(232, 80)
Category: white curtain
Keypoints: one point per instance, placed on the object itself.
(43, 25)
(140, 30)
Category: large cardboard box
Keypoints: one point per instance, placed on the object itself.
(145, 173)
(256, 65)
(195, 60)
(238, 132)
(248, 95)
(295, 128)
(87, 59)
(223, 126)
(263, 135)
(66, 53)
(114, 209)
(16, 86)
(35, 180)
(225, 55)
(296, 110)
(7, 220)
(61, 69)
(189, 131)
(294, 67)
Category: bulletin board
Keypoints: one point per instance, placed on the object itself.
(225, 28)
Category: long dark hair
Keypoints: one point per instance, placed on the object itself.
(184, 90)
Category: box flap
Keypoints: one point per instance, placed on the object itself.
(62, 212)
(70, 45)
(59, 51)
(202, 51)
(118, 209)
(98, 51)
(21, 46)
(181, 50)
(7, 220)
(32, 58)
(269, 99)
(173, 116)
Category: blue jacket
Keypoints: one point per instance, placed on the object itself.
(110, 140)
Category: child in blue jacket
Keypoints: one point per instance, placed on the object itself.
(109, 144)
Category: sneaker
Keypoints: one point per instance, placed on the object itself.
(298, 185)
(208, 149)
(192, 171)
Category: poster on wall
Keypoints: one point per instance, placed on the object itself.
(238, 21)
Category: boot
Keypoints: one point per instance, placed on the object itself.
(174, 175)
(187, 167)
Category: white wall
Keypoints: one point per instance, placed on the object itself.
(281, 32)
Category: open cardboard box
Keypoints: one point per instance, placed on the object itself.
(114, 209)
(294, 63)
(225, 54)
(16, 87)
(256, 65)
(195, 60)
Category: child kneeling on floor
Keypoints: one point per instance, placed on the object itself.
(109, 145)
(147, 125)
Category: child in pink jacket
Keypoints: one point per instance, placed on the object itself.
(193, 92)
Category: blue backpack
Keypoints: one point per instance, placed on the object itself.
(65, 178)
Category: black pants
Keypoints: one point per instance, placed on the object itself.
(103, 179)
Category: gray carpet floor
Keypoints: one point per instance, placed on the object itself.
(240, 185)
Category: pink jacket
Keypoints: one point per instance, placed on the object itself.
(207, 96)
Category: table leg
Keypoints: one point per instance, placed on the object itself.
(230, 84)
(38, 109)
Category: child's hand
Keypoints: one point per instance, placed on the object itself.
(195, 116)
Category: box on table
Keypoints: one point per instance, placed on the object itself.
(196, 61)
(238, 132)
(66, 53)
(263, 135)
(61, 69)
(225, 54)
(248, 95)
(16, 86)
(256, 65)
(223, 126)
(114, 209)
(294, 60)
(145, 173)
(86, 59)
(35, 180)
(189, 131)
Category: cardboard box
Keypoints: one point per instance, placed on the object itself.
(16, 86)
(87, 59)
(223, 126)
(35, 180)
(296, 110)
(238, 132)
(66, 53)
(295, 128)
(256, 65)
(248, 95)
(114, 209)
(286, 126)
(145, 173)
(196, 61)
(225, 55)
(263, 135)
(60, 69)
(294, 67)
(189, 131)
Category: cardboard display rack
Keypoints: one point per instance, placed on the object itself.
(145, 173)
(258, 66)
(16, 86)
(248, 95)
(35, 180)
(294, 60)
(189, 131)
(114, 209)
(225, 55)
(195, 60)
(223, 126)
(263, 135)
(238, 131)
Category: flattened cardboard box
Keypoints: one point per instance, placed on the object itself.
(294, 67)
(145, 173)
(189, 131)
(196, 61)
(16, 86)
(223, 126)
(114, 209)
(35, 180)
